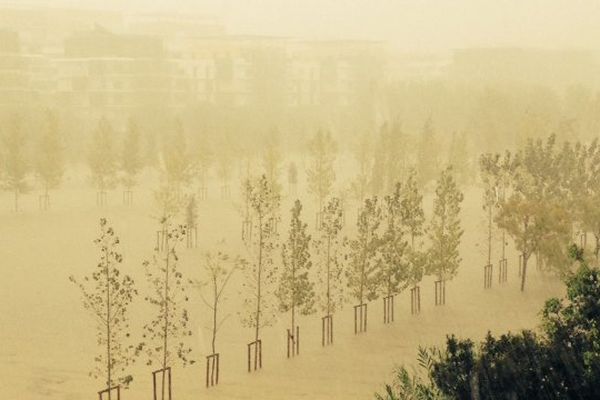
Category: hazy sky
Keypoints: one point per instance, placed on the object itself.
(408, 24)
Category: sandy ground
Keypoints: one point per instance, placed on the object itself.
(48, 342)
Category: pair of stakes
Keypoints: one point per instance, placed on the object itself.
(293, 342)
(415, 300)
(127, 198)
(164, 373)
(440, 292)
(255, 362)
(502, 275)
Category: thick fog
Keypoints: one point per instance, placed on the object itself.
(189, 181)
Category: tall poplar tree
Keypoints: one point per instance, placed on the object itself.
(296, 291)
(445, 231)
(394, 272)
(329, 250)
(261, 271)
(364, 258)
(107, 295)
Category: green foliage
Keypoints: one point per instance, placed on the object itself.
(536, 213)
(415, 386)
(260, 274)
(329, 248)
(166, 335)
(452, 370)
(413, 218)
(445, 231)
(394, 271)
(107, 294)
(217, 269)
(365, 262)
(296, 291)
(561, 362)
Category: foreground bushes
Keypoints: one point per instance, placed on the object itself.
(562, 361)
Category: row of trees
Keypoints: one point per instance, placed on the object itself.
(384, 257)
(118, 159)
(47, 161)
(543, 196)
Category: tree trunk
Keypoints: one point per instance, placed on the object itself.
(166, 312)
(215, 305)
(524, 271)
(328, 275)
(108, 355)
(597, 248)
(489, 235)
(258, 296)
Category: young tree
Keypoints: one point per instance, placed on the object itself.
(217, 269)
(49, 161)
(107, 294)
(413, 218)
(394, 272)
(445, 231)
(362, 272)
(131, 160)
(533, 214)
(261, 272)
(102, 158)
(579, 168)
(16, 165)
(296, 291)
(490, 173)
(329, 247)
(321, 174)
(167, 333)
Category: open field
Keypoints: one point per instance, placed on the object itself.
(48, 340)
